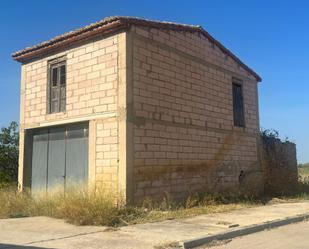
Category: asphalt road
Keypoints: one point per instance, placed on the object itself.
(294, 236)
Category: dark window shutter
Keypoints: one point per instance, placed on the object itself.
(62, 75)
(57, 87)
(238, 105)
(54, 76)
(62, 98)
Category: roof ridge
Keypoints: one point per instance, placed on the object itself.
(112, 24)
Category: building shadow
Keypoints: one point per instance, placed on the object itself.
(11, 246)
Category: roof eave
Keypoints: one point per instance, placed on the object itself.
(28, 55)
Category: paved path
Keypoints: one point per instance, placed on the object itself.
(43, 232)
(294, 236)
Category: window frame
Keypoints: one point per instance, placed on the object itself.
(242, 124)
(56, 63)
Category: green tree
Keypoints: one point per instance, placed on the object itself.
(9, 138)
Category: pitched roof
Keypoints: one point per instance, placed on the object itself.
(111, 25)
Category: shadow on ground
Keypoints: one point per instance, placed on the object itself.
(10, 246)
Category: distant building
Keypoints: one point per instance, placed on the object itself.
(142, 107)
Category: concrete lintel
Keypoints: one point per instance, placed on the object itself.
(64, 121)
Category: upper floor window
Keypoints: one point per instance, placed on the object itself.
(57, 87)
(238, 105)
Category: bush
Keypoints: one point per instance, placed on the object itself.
(9, 138)
(270, 135)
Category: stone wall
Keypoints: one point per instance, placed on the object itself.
(279, 166)
(184, 137)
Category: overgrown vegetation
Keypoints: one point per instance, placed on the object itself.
(78, 205)
(271, 134)
(84, 207)
(9, 154)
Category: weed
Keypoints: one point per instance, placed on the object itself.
(82, 206)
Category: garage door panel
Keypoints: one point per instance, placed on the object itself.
(39, 160)
(60, 157)
(76, 154)
(56, 158)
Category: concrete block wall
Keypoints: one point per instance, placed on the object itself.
(91, 82)
(93, 71)
(107, 153)
(184, 139)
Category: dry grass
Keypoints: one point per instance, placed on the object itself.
(78, 205)
(193, 206)
(303, 172)
(84, 207)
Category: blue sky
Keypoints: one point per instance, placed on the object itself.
(270, 36)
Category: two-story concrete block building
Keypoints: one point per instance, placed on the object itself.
(143, 107)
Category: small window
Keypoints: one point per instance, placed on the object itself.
(57, 87)
(238, 105)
